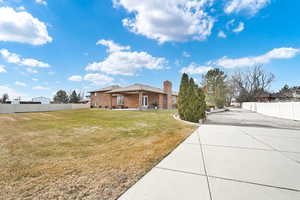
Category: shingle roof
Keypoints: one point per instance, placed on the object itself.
(131, 88)
(112, 87)
(137, 87)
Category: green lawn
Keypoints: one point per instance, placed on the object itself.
(82, 154)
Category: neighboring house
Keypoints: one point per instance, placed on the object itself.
(296, 93)
(136, 96)
(43, 100)
(84, 101)
(277, 97)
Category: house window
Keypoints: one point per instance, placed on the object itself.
(95, 94)
(120, 100)
(174, 99)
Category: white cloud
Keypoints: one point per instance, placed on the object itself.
(249, 6)
(2, 69)
(34, 63)
(98, 79)
(112, 46)
(277, 53)
(127, 63)
(12, 93)
(193, 68)
(76, 78)
(18, 83)
(168, 20)
(16, 59)
(32, 71)
(20, 8)
(35, 79)
(186, 54)
(22, 27)
(40, 88)
(229, 24)
(43, 2)
(240, 28)
(221, 34)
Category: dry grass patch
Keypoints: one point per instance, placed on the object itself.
(82, 154)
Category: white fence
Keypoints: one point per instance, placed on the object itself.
(19, 108)
(286, 110)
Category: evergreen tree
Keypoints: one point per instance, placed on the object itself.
(191, 100)
(215, 82)
(286, 90)
(4, 98)
(192, 108)
(74, 97)
(183, 96)
(202, 103)
(61, 97)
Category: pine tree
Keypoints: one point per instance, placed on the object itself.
(215, 82)
(192, 107)
(202, 104)
(74, 97)
(4, 98)
(191, 100)
(183, 96)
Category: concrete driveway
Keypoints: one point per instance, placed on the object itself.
(240, 117)
(228, 162)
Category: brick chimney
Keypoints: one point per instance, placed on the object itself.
(168, 91)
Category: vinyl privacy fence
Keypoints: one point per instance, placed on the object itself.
(19, 108)
(286, 110)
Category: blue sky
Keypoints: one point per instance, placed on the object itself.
(65, 44)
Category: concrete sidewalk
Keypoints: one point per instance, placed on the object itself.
(221, 162)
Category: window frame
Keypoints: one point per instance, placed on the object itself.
(143, 101)
(120, 100)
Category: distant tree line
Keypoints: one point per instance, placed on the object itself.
(62, 97)
(191, 100)
(288, 91)
(243, 86)
(219, 90)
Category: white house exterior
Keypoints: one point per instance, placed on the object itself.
(296, 94)
(43, 100)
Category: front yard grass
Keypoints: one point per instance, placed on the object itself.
(82, 154)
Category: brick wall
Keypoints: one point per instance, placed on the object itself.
(168, 90)
(130, 101)
(100, 99)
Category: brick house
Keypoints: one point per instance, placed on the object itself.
(135, 96)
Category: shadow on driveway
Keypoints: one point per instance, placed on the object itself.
(240, 117)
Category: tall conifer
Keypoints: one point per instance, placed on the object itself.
(183, 96)
(202, 102)
(191, 100)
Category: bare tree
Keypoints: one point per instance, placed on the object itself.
(231, 90)
(252, 83)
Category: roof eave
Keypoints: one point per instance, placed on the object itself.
(138, 90)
